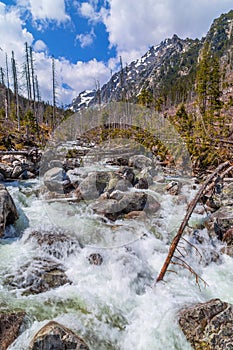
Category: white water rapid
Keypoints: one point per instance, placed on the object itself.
(114, 305)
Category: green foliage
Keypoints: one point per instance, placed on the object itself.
(208, 81)
(183, 121)
(145, 98)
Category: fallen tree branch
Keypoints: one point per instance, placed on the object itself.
(184, 223)
(221, 177)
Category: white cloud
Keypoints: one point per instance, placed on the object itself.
(46, 10)
(40, 46)
(89, 10)
(133, 26)
(13, 36)
(86, 39)
(78, 76)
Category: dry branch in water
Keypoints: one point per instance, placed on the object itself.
(191, 207)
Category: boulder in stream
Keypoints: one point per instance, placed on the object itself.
(56, 180)
(54, 243)
(38, 276)
(128, 202)
(8, 211)
(11, 325)
(93, 185)
(208, 326)
(56, 336)
(139, 161)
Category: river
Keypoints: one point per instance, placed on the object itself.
(114, 305)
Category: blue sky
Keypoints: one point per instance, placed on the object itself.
(87, 38)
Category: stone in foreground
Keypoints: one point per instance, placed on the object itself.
(8, 211)
(10, 327)
(208, 326)
(55, 336)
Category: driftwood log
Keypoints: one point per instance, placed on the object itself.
(191, 207)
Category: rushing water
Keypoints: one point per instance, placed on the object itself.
(114, 305)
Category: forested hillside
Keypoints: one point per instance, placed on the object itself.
(188, 81)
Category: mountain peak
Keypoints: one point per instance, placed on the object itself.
(166, 70)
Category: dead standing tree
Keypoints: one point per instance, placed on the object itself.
(16, 88)
(174, 245)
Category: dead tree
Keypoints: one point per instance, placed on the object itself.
(191, 207)
(34, 90)
(8, 88)
(28, 75)
(16, 88)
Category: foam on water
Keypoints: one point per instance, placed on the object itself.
(114, 305)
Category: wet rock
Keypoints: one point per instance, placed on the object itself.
(228, 239)
(55, 163)
(114, 178)
(142, 184)
(129, 202)
(95, 259)
(6, 170)
(152, 205)
(133, 201)
(135, 215)
(159, 179)
(94, 185)
(74, 178)
(8, 211)
(139, 161)
(120, 161)
(56, 244)
(26, 175)
(11, 325)
(54, 336)
(148, 174)
(109, 208)
(228, 236)
(116, 195)
(224, 217)
(56, 180)
(123, 185)
(208, 326)
(127, 174)
(173, 188)
(38, 276)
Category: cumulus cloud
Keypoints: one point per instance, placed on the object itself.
(86, 39)
(133, 26)
(78, 76)
(40, 46)
(45, 10)
(89, 10)
(13, 36)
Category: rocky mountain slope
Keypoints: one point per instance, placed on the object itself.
(167, 71)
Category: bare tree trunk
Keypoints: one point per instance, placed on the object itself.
(28, 76)
(8, 89)
(34, 91)
(16, 90)
(54, 92)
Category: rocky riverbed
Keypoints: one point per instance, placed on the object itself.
(82, 245)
